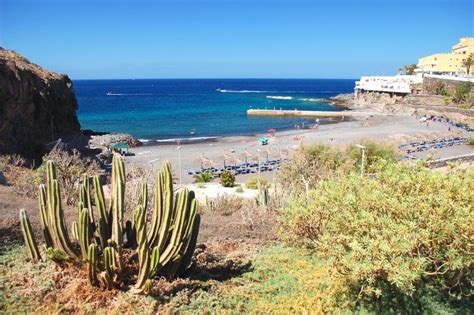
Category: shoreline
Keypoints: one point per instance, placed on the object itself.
(208, 139)
(389, 128)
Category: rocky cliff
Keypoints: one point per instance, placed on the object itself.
(37, 106)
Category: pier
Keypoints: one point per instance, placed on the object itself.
(306, 113)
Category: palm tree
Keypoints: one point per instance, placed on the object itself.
(468, 62)
(204, 177)
(409, 69)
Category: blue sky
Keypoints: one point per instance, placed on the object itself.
(231, 39)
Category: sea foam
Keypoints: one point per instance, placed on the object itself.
(241, 91)
(185, 140)
(280, 97)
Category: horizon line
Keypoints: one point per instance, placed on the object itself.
(216, 78)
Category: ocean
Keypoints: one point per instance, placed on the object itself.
(196, 109)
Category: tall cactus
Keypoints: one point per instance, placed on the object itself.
(60, 237)
(106, 275)
(165, 247)
(84, 232)
(44, 215)
(85, 197)
(172, 223)
(28, 236)
(147, 264)
(92, 263)
(103, 224)
(117, 202)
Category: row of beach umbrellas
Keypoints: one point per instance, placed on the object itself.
(229, 158)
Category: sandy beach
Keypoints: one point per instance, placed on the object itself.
(395, 129)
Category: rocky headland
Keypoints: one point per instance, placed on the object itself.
(38, 107)
(411, 104)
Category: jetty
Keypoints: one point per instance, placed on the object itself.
(307, 113)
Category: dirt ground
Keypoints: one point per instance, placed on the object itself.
(225, 247)
(214, 226)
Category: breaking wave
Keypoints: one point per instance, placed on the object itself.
(186, 140)
(280, 97)
(241, 91)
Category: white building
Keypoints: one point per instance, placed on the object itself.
(400, 84)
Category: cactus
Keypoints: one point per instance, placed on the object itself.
(75, 231)
(44, 215)
(92, 263)
(84, 232)
(142, 285)
(117, 200)
(56, 226)
(191, 246)
(172, 223)
(263, 196)
(163, 208)
(85, 197)
(103, 228)
(28, 236)
(105, 276)
(164, 248)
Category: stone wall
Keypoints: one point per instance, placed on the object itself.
(434, 86)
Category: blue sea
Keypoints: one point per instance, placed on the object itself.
(164, 109)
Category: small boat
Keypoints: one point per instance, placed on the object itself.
(109, 93)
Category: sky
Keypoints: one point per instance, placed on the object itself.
(107, 39)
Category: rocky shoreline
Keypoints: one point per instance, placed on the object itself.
(412, 104)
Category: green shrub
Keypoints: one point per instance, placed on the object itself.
(391, 237)
(227, 179)
(461, 92)
(471, 140)
(310, 164)
(440, 89)
(447, 100)
(223, 204)
(374, 151)
(313, 163)
(239, 189)
(204, 177)
(253, 182)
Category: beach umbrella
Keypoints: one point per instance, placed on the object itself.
(246, 155)
(201, 160)
(212, 163)
(236, 160)
(231, 158)
(272, 131)
(224, 157)
(204, 161)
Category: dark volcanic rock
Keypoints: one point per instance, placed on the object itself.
(37, 106)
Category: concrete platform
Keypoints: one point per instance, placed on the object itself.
(307, 113)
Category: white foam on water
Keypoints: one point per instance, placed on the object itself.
(185, 140)
(128, 94)
(241, 91)
(280, 97)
